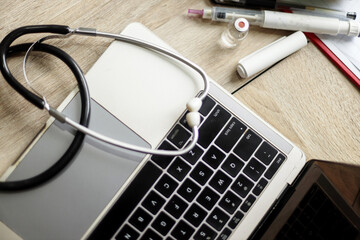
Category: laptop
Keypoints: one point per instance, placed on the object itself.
(227, 187)
(322, 203)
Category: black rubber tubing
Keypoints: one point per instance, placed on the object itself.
(4, 51)
(75, 146)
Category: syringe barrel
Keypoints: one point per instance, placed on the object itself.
(228, 14)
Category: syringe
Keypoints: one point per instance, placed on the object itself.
(281, 20)
(227, 14)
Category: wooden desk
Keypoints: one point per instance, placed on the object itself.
(304, 96)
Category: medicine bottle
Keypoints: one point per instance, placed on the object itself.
(236, 31)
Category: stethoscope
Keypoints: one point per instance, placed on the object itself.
(33, 96)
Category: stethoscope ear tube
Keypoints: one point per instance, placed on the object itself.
(4, 51)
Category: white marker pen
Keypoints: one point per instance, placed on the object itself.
(281, 20)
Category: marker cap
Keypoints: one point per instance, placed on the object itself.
(270, 54)
(354, 28)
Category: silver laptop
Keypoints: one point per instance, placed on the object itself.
(222, 189)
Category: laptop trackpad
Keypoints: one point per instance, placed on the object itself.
(65, 207)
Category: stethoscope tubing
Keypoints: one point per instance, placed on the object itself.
(40, 101)
(77, 142)
(4, 50)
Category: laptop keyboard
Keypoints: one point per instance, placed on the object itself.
(203, 194)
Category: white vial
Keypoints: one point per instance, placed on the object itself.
(235, 32)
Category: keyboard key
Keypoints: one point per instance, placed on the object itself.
(179, 136)
(176, 206)
(206, 106)
(259, 187)
(217, 219)
(182, 231)
(308, 214)
(130, 198)
(242, 186)
(205, 233)
(225, 234)
(153, 202)
(201, 173)
(207, 198)
(232, 165)
(166, 185)
(230, 135)
(274, 166)
(247, 145)
(212, 125)
(230, 202)
(195, 215)
(140, 219)
(151, 235)
(163, 223)
(266, 153)
(179, 169)
(163, 161)
(193, 155)
(296, 232)
(127, 233)
(248, 203)
(235, 220)
(220, 181)
(189, 190)
(254, 169)
(214, 157)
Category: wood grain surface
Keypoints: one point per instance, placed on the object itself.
(304, 96)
